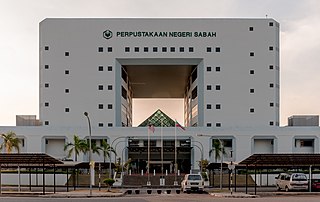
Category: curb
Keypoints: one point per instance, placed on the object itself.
(228, 195)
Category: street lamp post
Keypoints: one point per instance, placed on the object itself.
(90, 152)
(202, 150)
(201, 157)
(222, 148)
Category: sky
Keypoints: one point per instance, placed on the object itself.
(299, 48)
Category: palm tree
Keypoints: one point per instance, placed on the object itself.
(78, 146)
(10, 142)
(217, 149)
(105, 147)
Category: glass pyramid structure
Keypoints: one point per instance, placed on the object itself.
(156, 118)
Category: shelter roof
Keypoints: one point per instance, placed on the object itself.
(27, 159)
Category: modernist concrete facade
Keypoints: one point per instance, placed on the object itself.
(226, 70)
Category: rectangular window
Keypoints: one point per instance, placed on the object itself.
(100, 49)
(271, 123)
(109, 106)
(218, 69)
(124, 92)
(66, 54)
(66, 90)
(136, 49)
(194, 93)
(46, 85)
(191, 49)
(146, 49)
(218, 125)
(46, 104)
(100, 125)
(270, 48)
(67, 110)
(110, 124)
(218, 87)
(46, 66)
(100, 87)
(251, 110)
(251, 54)
(46, 123)
(46, 48)
(271, 85)
(66, 72)
(218, 49)
(164, 49)
(109, 87)
(172, 49)
(168, 143)
(218, 106)
(155, 49)
(209, 49)
(127, 49)
(251, 71)
(109, 49)
(100, 68)
(100, 106)
(208, 87)
(209, 106)
(251, 90)
(109, 68)
(250, 29)
(209, 124)
(208, 69)
(271, 104)
(270, 67)
(181, 49)
(271, 24)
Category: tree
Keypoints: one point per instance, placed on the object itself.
(10, 142)
(78, 146)
(217, 149)
(105, 147)
(203, 164)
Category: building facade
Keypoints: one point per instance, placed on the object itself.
(225, 70)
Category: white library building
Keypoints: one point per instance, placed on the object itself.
(226, 71)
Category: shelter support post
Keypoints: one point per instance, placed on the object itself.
(74, 179)
(229, 184)
(54, 178)
(0, 181)
(246, 179)
(30, 179)
(310, 177)
(43, 180)
(267, 177)
(255, 180)
(235, 179)
(67, 179)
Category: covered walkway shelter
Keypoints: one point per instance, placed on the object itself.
(28, 161)
(276, 161)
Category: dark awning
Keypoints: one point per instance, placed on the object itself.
(27, 159)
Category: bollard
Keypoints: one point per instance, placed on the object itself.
(178, 172)
(154, 172)
(142, 172)
(166, 172)
(129, 172)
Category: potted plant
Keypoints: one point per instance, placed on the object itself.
(109, 182)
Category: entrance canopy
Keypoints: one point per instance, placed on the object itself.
(282, 160)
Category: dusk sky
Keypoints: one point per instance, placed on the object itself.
(299, 49)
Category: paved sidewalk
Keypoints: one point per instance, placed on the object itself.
(85, 194)
(233, 195)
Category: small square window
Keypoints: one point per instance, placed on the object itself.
(67, 110)
(100, 68)
(66, 72)
(218, 49)
(271, 85)
(251, 54)
(271, 123)
(181, 49)
(66, 90)
(250, 29)
(109, 106)
(46, 104)
(100, 87)
(218, 106)
(172, 49)
(218, 87)
(109, 68)
(110, 124)
(191, 49)
(100, 106)
(271, 104)
(100, 49)
(209, 49)
(208, 69)
(164, 49)
(218, 69)
(100, 124)
(251, 110)
(251, 71)
(270, 48)
(46, 48)
(209, 124)
(66, 54)
(208, 87)
(218, 125)
(136, 49)
(46, 66)
(155, 49)
(251, 90)
(46, 85)
(209, 106)
(146, 49)
(46, 123)
(109, 49)
(127, 49)
(271, 24)
(270, 66)
(109, 87)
